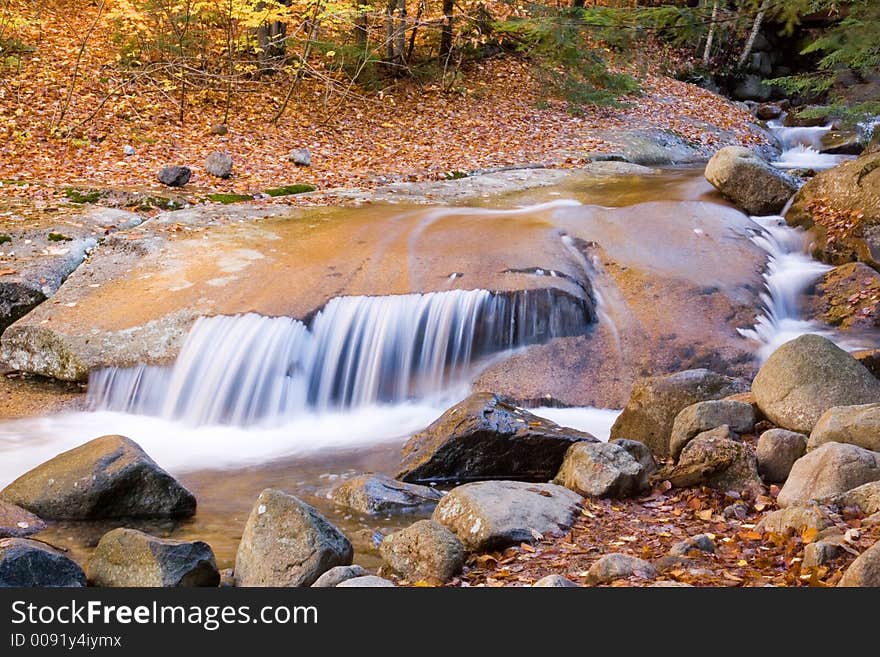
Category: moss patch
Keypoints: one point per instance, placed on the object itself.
(4, 238)
(58, 237)
(226, 199)
(82, 195)
(289, 190)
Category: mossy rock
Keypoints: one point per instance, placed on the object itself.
(82, 196)
(290, 190)
(227, 199)
(4, 238)
(59, 237)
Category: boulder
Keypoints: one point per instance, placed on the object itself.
(654, 402)
(776, 451)
(768, 111)
(27, 563)
(829, 470)
(846, 297)
(337, 575)
(108, 477)
(795, 519)
(376, 494)
(865, 570)
(717, 460)
(301, 157)
(706, 415)
(820, 552)
(619, 566)
(855, 425)
(286, 542)
(366, 582)
(425, 550)
(174, 176)
(16, 522)
(495, 514)
(600, 470)
(865, 497)
(554, 582)
(699, 543)
(841, 209)
(836, 142)
(796, 118)
(219, 164)
(751, 183)
(127, 557)
(805, 377)
(751, 87)
(487, 437)
(642, 454)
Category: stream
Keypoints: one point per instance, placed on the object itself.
(612, 277)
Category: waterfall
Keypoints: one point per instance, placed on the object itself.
(356, 351)
(801, 146)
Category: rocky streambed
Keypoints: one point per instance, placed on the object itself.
(664, 289)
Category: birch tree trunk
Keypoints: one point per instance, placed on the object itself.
(707, 52)
(759, 18)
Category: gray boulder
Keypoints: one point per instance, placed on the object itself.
(108, 477)
(301, 157)
(600, 470)
(805, 377)
(829, 471)
(706, 415)
(865, 570)
(174, 176)
(376, 494)
(795, 519)
(717, 460)
(554, 582)
(820, 552)
(619, 566)
(700, 543)
(654, 402)
(751, 183)
(487, 437)
(286, 542)
(855, 425)
(16, 522)
(219, 164)
(366, 582)
(337, 575)
(776, 451)
(865, 497)
(425, 550)
(495, 514)
(641, 453)
(27, 563)
(751, 87)
(127, 557)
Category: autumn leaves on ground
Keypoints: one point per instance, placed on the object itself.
(407, 131)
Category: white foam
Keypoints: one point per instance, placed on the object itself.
(596, 421)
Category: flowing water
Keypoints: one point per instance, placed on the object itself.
(253, 400)
(801, 147)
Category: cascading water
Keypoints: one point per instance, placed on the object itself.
(356, 351)
(801, 146)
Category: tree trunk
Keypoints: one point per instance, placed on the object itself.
(707, 52)
(446, 34)
(759, 18)
(400, 33)
(389, 32)
(361, 30)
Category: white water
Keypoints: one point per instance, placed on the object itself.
(801, 147)
(358, 351)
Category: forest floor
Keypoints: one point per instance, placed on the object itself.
(408, 132)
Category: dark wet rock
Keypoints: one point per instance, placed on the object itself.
(836, 142)
(376, 494)
(554, 582)
(366, 582)
(854, 425)
(751, 183)
(776, 451)
(654, 402)
(301, 157)
(796, 119)
(752, 87)
(865, 570)
(494, 514)
(847, 193)
(27, 563)
(600, 470)
(619, 566)
(866, 498)
(700, 543)
(174, 176)
(737, 510)
(805, 377)
(706, 415)
(487, 437)
(286, 542)
(717, 460)
(16, 522)
(219, 164)
(768, 111)
(108, 477)
(846, 297)
(127, 557)
(426, 550)
(828, 471)
(795, 519)
(339, 574)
